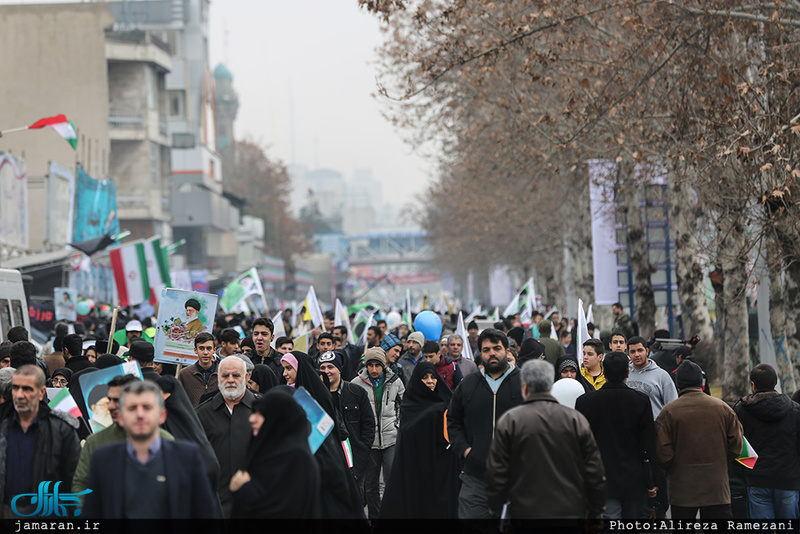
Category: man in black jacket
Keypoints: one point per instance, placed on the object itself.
(477, 404)
(36, 444)
(771, 424)
(622, 423)
(353, 406)
(264, 353)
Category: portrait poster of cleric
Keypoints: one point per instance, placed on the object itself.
(94, 388)
(181, 316)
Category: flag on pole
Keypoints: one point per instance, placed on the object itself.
(277, 324)
(475, 312)
(583, 332)
(242, 287)
(342, 319)
(522, 303)
(362, 341)
(61, 125)
(157, 268)
(129, 264)
(302, 343)
(495, 314)
(64, 402)
(407, 313)
(462, 332)
(748, 456)
(313, 311)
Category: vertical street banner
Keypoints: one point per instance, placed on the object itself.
(181, 316)
(61, 204)
(65, 300)
(95, 208)
(13, 202)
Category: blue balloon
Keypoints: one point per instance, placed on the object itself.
(429, 324)
(83, 308)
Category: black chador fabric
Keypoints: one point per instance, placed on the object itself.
(264, 377)
(341, 498)
(424, 478)
(284, 478)
(182, 422)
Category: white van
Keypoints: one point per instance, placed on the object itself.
(13, 306)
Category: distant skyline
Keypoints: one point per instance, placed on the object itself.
(308, 66)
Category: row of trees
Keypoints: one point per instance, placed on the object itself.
(516, 97)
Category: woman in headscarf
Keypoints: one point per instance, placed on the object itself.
(61, 377)
(289, 363)
(281, 480)
(567, 367)
(182, 422)
(424, 478)
(340, 495)
(262, 379)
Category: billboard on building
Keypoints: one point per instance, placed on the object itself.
(95, 208)
(60, 204)
(13, 202)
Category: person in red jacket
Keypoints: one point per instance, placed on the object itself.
(446, 368)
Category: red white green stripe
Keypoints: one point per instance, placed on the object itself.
(348, 452)
(61, 125)
(130, 274)
(63, 402)
(157, 269)
(748, 456)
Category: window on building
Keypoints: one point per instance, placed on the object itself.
(177, 103)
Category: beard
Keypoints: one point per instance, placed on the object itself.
(494, 367)
(232, 394)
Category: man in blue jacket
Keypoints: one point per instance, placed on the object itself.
(146, 477)
(478, 402)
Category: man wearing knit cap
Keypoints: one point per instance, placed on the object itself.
(410, 359)
(392, 346)
(696, 437)
(354, 409)
(385, 392)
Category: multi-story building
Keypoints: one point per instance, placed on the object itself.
(201, 213)
(138, 63)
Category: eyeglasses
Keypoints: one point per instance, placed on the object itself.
(59, 381)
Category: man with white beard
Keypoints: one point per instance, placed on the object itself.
(225, 419)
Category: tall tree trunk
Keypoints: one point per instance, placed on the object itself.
(778, 318)
(735, 340)
(579, 239)
(630, 195)
(685, 213)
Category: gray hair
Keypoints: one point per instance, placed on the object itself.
(445, 340)
(5, 381)
(234, 361)
(454, 336)
(137, 387)
(538, 376)
(248, 363)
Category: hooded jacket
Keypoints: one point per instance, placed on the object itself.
(654, 382)
(387, 421)
(771, 423)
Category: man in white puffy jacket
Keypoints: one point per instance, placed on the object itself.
(385, 391)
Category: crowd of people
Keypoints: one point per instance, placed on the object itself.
(420, 428)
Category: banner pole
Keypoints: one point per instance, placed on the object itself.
(111, 331)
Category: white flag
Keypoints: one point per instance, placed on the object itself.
(582, 333)
(363, 341)
(342, 319)
(280, 331)
(461, 331)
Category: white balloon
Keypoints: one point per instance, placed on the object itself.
(566, 391)
(393, 320)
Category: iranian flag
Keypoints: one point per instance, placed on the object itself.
(61, 125)
(130, 274)
(348, 452)
(63, 402)
(748, 456)
(157, 268)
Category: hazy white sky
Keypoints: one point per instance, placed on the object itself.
(317, 55)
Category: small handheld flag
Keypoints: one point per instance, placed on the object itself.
(61, 125)
(748, 456)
